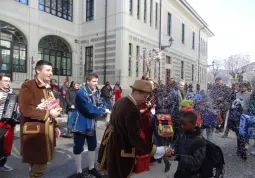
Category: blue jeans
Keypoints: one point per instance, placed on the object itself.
(79, 140)
(69, 120)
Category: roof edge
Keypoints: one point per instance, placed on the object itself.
(196, 15)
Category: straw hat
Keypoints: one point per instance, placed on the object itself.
(142, 85)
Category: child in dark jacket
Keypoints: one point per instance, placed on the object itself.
(189, 149)
(208, 114)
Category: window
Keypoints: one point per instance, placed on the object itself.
(129, 59)
(193, 40)
(89, 10)
(23, 1)
(169, 19)
(145, 11)
(183, 33)
(13, 49)
(182, 70)
(130, 7)
(151, 12)
(156, 16)
(60, 8)
(88, 60)
(168, 59)
(192, 72)
(168, 75)
(56, 50)
(138, 9)
(137, 60)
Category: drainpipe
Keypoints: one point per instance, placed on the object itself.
(159, 45)
(105, 39)
(198, 59)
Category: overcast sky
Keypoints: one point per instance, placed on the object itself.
(232, 22)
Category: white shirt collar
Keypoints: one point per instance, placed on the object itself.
(45, 84)
(131, 97)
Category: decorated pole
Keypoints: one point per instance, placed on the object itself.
(150, 57)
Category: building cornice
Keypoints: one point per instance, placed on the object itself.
(196, 15)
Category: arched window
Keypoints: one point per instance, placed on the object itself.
(56, 50)
(13, 49)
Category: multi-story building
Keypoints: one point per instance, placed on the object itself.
(106, 37)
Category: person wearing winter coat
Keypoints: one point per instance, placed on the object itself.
(187, 106)
(190, 94)
(244, 96)
(208, 114)
(251, 108)
(117, 91)
(176, 96)
(9, 125)
(163, 103)
(63, 92)
(189, 149)
(221, 99)
(106, 93)
(88, 106)
(70, 100)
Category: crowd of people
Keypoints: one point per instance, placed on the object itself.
(163, 121)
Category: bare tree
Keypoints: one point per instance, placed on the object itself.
(237, 64)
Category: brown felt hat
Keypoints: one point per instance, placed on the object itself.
(142, 85)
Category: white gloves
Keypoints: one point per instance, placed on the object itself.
(160, 152)
(107, 111)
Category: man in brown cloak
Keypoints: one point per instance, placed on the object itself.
(123, 136)
(37, 126)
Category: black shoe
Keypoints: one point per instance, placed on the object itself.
(82, 175)
(95, 173)
(244, 158)
(159, 161)
(167, 166)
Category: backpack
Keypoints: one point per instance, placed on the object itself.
(210, 119)
(164, 125)
(247, 126)
(213, 165)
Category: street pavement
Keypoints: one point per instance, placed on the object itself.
(63, 165)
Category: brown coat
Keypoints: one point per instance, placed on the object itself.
(122, 139)
(37, 130)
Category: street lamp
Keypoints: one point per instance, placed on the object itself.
(162, 48)
(212, 65)
(168, 46)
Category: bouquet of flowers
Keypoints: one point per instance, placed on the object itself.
(48, 104)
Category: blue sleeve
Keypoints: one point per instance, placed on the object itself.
(106, 106)
(85, 105)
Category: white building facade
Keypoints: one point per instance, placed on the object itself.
(81, 36)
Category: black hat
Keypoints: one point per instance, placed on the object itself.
(218, 78)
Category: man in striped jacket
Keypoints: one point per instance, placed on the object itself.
(4, 90)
